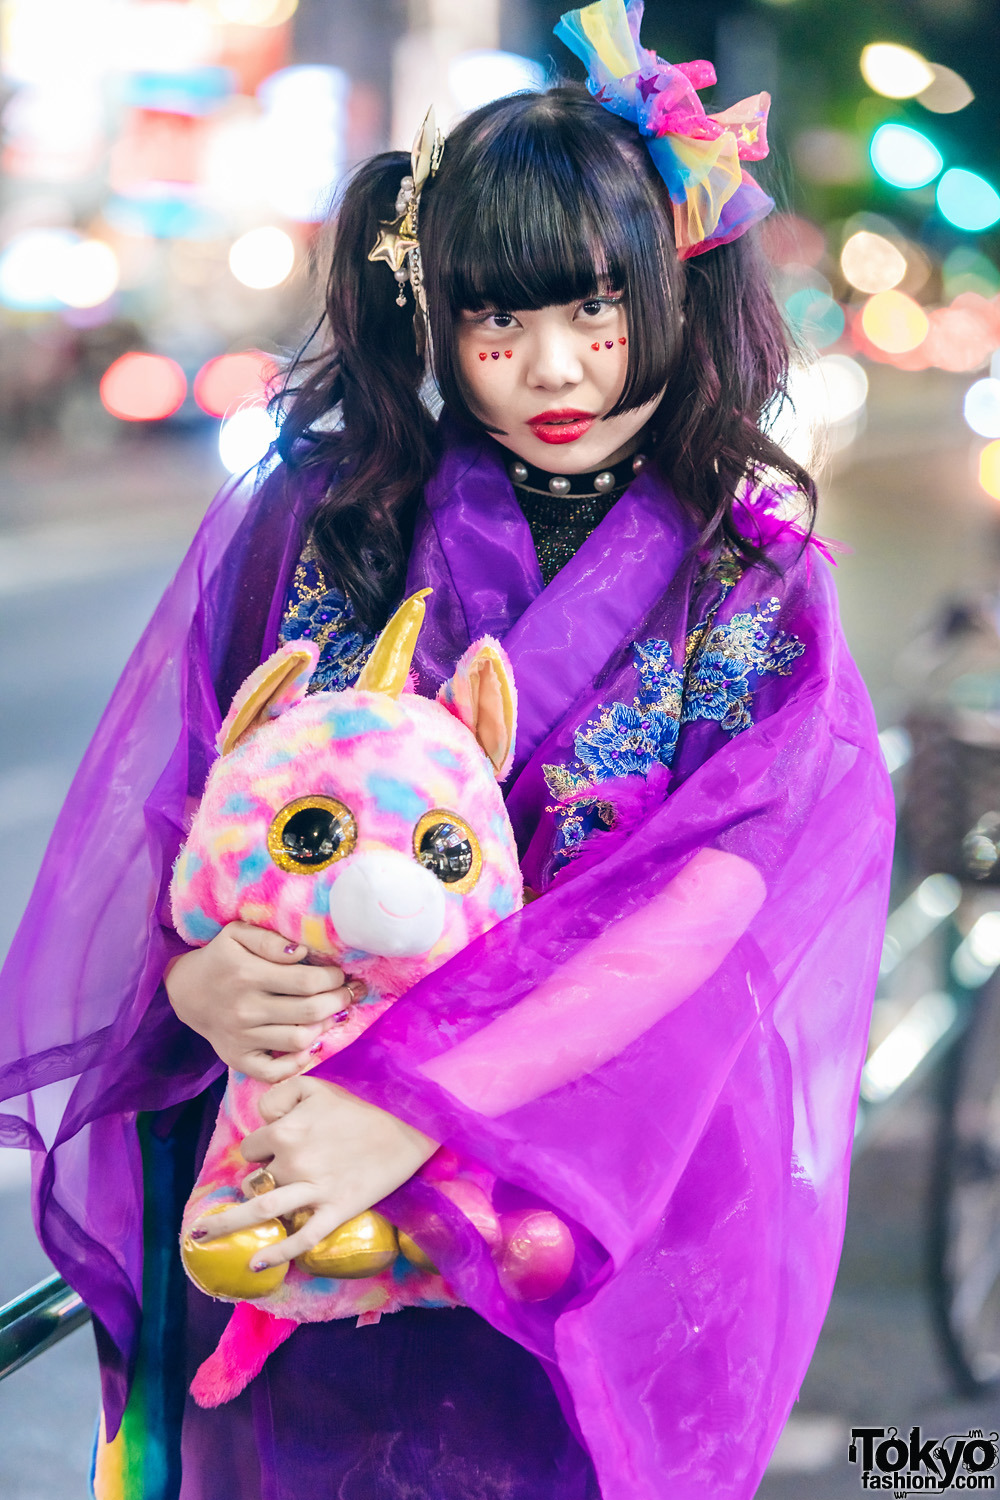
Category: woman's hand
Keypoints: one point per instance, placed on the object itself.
(328, 1151)
(249, 995)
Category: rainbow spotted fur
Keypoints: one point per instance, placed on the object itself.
(367, 824)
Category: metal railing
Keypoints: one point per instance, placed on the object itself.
(49, 1311)
(36, 1320)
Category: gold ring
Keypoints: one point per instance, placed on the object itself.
(261, 1181)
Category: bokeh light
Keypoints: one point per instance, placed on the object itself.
(830, 156)
(892, 321)
(989, 469)
(844, 385)
(224, 382)
(245, 437)
(967, 200)
(303, 139)
(895, 72)
(87, 274)
(981, 407)
(821, 409)
(947, 93)
(476, 78)
(789, 240)
(143, 387)
(960, 338)
(813, 315)
(871, 263)
(919, 267)
(31, 266)
(904, 157)
(263, 257)
(968, 270)
(158, 36)
(255, 12)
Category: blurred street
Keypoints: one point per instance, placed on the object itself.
(167, 174)
(88, 537)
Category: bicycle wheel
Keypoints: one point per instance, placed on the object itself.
(964, 1202)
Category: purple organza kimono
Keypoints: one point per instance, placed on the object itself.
(665, 1048)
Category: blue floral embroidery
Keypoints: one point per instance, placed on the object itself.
(626, 741)
(316, 612)
(724, 666)
(729, 662)
(660, 682)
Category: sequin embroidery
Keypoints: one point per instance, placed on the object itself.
(315, 611)
(730, 660)
(724, 664)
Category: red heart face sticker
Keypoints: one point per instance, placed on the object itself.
(482, 356)
(507, 353)
(621, 341)
(595, 346)
(495, 354)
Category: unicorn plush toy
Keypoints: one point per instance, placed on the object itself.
(368, 825)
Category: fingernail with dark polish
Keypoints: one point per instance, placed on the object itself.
(315, 1049)
(258, 1265)
(341, 1015)
(198, 1234)
(291, 947)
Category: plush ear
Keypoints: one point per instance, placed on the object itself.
(483, 696)
(276, 686)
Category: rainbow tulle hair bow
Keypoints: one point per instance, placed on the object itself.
(697, 155)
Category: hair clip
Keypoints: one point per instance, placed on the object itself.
(397, 242)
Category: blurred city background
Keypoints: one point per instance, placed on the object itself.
(166, 168)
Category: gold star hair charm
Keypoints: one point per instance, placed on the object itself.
(397, 242)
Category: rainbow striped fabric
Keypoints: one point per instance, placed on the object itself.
(698, 155)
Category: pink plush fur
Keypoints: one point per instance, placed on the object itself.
(250, 1336)
(388, 761)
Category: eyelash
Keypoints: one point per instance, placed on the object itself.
(611, 301)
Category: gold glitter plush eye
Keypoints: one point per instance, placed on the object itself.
(446, 845)
(311, 833)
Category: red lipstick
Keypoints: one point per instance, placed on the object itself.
(563, 426)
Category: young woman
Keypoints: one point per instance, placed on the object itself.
(697, 794)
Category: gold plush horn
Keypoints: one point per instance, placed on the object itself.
(388, 667)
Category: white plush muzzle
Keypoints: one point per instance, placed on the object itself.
(387, 904)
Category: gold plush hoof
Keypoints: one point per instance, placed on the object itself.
(413, 1253)
(362, 1247)
(222, 1267)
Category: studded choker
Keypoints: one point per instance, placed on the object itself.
(575, 486)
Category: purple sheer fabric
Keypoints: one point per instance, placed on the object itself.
(432, 1404)
(88, 1035)
(701, 970)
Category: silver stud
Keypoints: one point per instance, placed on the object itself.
(639, 462)
(558, 485)
(519, 473)
(604, 481)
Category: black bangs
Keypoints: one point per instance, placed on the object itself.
(533, 237)
(543, 199)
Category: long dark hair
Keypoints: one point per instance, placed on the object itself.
(539, 197)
